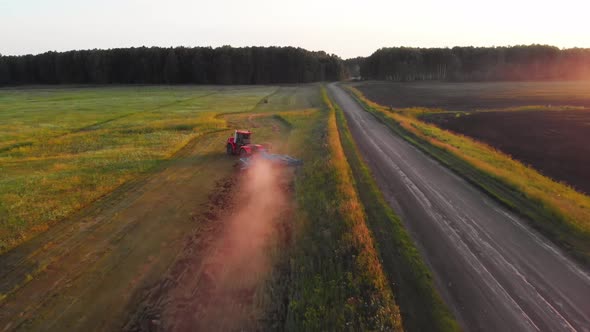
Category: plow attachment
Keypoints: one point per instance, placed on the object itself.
(276, 159)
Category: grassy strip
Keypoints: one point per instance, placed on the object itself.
(553, 208)
(420, 304)
(336, 280)
(283, 121)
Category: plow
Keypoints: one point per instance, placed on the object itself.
(275, 159)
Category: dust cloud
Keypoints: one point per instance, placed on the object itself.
(241, 256)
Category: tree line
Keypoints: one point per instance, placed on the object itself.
(270, 65)
(533, 62)
(180, 65)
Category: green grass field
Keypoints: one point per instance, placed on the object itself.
(337, 280)
(61, 149)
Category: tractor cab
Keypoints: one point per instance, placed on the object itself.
(240, 144)
(242, 137)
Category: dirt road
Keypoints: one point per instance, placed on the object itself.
(218, 280)
(495, 272)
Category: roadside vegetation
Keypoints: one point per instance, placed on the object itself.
(554, 208)
(336, 281)
(421, 307)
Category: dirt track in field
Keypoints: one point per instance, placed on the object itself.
(185, 249)
(217, 282)
(168, 251)
(553, 142)
(86, 272)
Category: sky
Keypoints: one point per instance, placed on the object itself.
(346, 28)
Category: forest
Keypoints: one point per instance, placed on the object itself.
(180, 65)
(515, 63)
(272, 65)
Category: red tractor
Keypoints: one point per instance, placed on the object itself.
(239, 144)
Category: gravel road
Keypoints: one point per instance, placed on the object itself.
(495, 272)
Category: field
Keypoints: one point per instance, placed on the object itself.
(62, 149)
(553, 142)
(123, 198)
(554, 208)
(108, 177)
(542, 124)
(477, 96)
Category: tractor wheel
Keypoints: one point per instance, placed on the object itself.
(243, 153)
(230, 150)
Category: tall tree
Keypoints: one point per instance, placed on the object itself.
(171, 68)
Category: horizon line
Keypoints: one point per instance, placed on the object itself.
(290, 46)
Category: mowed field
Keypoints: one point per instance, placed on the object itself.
(61, 149)
(542, 124)
(100, 188)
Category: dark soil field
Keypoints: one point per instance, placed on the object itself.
(553, 142)
(474, 96)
